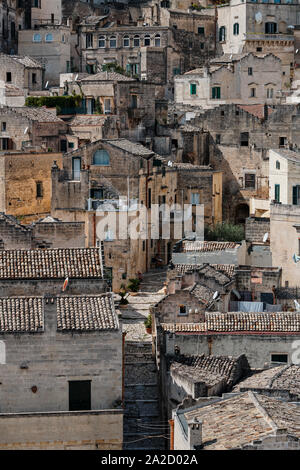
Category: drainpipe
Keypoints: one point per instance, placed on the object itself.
(94, 229)
(123, 369)
(147, 205)
(171, 423)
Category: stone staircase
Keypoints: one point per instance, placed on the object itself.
(143, 429)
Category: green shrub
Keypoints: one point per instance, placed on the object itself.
(53, 101)
(134, 285)
(148, 321)
(113, 67)
(225, 232)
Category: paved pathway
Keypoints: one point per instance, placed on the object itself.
(142, 424)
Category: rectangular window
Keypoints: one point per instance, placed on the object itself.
(270, 93)
(134, 101)
(195, 198)
(34, 78)
(107, 108)
(182, 310)
(200, 30)
(252, 92)
(282, 141)
(63, 145)
(76, 167)
(89, 40)
(149, 198)
(8, 77)
(280, 358)
(244, 139)
(277, 192)
(3, 126)
(79, 395)
(250, 71)
(250, 180)
(216, 93)
(296, 195)
(218, 138)
(39, 189)
(193, 88)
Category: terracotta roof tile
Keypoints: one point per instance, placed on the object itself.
(21, 315)
(51, 263)
(205, 246)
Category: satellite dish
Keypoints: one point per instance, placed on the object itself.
(216, 295)
(297, 50)
(47, 83)
(297, 305)
(266, 236)
(26, 130)
(170, 163)
(76, 77)
(291, 26)
(296, 258)
(236, 293)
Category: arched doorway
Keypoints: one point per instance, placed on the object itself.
(241, 213)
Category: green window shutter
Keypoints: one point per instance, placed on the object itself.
(277, 192)
(295, 192)
(213, 93)
(193, 89)
(218, 92)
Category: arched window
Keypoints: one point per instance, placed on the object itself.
(236, 29)
(37, 37)
(277, 165)
(101, 41)
(101, 158)
(126, 42)
(49, 37)
(222, 34)
(136, 41)
(113, 42)
(157, 40)
(147, 40)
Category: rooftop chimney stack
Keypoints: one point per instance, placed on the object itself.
(194, 433)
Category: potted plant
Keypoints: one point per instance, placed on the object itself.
(148, 324)
(133, 286)
(122, 293)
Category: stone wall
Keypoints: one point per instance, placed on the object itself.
(256, 228)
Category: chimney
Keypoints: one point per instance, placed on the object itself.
(194, 433)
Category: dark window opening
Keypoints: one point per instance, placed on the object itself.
(282, 358)
(250, 180)
(244, 141)
(39, 189)
(80, 395)
(8, 77)
(182, 310)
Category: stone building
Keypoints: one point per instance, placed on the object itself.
(45, 233)
(55, 393)
(265, 336)
(284, 176)
(110, 93)
(43, 271)
(45, 12)
(12, 19)
(240, 137)
(199, 376)
(26, 190)
(198, 252)
(29, 128)
(86, 128)
(281, 381)
(232, 78)
(284, 241)
(90, 184)
(244, 421)
(260, 27)
(22, 72)
(154, 52)
(50, 45)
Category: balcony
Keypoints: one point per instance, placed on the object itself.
(112, 205)
(268, 37)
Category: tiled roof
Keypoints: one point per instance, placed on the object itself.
(264, 322)
(234, 422)
(21, 315)
(131, 147)
(205, 246)
(210, 272)
(203, 293)
(51, 263)
(86, 313)
(227, 269)
(190, 166)
(108, 76)
(288, 154)
(285, 377)
(209, 369)
(256, 109)
(35, 114)
(247, 321)
(82, 120)
(24, 60)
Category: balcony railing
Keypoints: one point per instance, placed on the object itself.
(112, 205)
